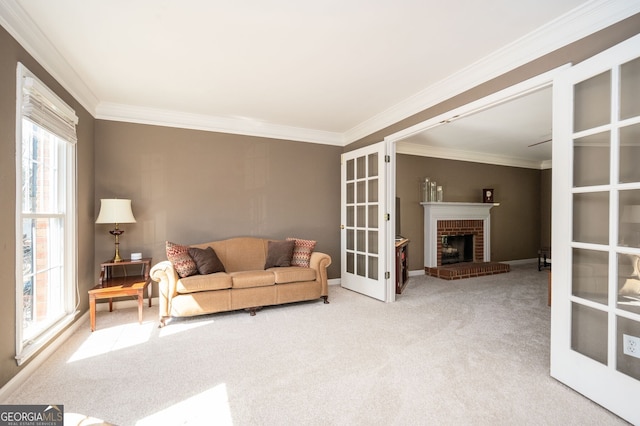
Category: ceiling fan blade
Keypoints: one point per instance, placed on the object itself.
(539, 143)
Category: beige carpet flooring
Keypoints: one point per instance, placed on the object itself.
(467, 352)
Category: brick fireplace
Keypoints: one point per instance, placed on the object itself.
(452, 220)
(444, 218)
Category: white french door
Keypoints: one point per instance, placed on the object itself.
(364, 221)
(595, 314)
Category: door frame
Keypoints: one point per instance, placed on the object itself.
(520, 89)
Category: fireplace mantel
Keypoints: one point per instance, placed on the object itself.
(435, 211)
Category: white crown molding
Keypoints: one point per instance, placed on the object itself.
(458, 155)
(239, 126)
(17, 23)
(578, 23)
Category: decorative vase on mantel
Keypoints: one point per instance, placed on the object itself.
(425, 188)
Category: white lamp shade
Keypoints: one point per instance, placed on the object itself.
(115, 211)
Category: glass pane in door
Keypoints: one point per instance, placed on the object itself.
(373, 190)
(591, 217)
(350, 239)
(373, 267)
(630, 89)
(362, 192)
(362, 265)
(590, 275)
(350, 263)
(361, 242)
(629, 282)
(629, 225)
(592, 100)
(373, 216)
(589, 332)
(351, 193)
(373, 242)
(630, 153)
(362, 217)
(591, 160)
(361, 168)
(373, 165)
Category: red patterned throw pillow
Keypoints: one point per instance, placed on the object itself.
(178, 255)
(302, 252)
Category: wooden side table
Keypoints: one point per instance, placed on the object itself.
(111, 286)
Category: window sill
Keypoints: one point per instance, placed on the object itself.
(45, 338)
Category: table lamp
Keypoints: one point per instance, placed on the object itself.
(116, 211)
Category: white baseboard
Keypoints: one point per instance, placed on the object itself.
(521, 261)
(416, 273)
(17, 380)
(334, 281)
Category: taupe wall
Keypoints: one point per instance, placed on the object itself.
(10, 54)
(190, 186)
(515, 224)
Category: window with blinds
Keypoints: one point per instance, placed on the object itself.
(46, 279)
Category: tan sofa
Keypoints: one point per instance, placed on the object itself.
(245, 284)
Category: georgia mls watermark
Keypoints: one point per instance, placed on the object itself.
(31, 415)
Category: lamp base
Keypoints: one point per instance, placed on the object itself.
(117, 257)
(117, 232)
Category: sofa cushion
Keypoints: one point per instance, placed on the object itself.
(179, 257)
(631, 289)
(240, 254)
(302, 250)
(293, 274)
(248, 279)
(206, 260)
(279, 254)
(196, 283)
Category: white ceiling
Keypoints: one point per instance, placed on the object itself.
(514, 132)
(331, 71)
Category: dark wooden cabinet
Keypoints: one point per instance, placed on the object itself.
(402, 259)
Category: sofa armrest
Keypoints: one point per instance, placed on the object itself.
(320, 262)
(165, 274)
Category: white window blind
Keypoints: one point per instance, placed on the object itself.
(42, 107)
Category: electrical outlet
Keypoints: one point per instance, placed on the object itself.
(631, 345)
